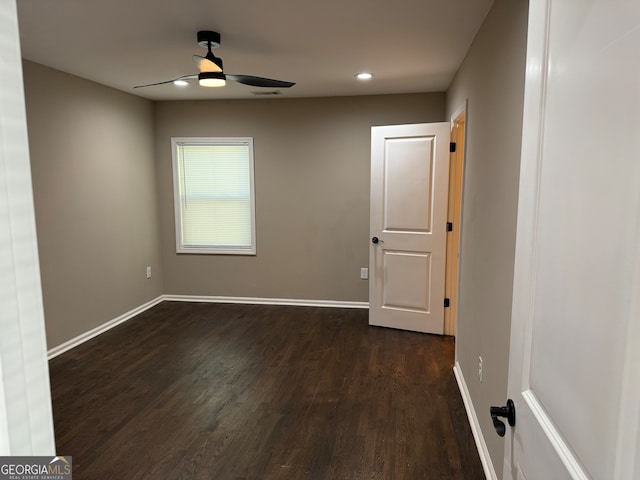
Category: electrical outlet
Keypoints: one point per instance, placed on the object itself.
(148, 272)
(480, 369)
(364, 273)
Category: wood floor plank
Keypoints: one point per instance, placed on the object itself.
(219, 391)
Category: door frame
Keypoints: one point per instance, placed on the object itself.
(454, 215)
(26, 419)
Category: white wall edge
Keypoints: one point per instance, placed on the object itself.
(266, 301)
(80, 339)
(483, 451)
(456, 113)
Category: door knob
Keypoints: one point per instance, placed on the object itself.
(508, 412)
(376, 240)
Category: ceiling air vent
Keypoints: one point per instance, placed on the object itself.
(267, 93)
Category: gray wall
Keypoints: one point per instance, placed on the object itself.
(104, 198)
(94, 190)
(492, 79)
(312, 160)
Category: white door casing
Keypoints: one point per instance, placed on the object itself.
(574, 365)
(26, 420)
(409, 182)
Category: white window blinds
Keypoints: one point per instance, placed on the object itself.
(213, 182)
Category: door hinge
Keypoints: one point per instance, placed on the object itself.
(446, 302)
(449, 227)
(452, 147)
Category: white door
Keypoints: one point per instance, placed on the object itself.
(575, 340)
(409, 182)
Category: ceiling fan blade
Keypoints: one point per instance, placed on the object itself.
(184, 77)
(208, 63)
(260, 81)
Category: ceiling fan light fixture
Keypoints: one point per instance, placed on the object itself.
(211, 71)
(212, 79)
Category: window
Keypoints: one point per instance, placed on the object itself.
(213, 194)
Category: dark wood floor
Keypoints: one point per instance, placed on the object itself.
(213, 391)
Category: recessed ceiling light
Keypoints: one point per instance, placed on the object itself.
(181, 83)
(364, 76)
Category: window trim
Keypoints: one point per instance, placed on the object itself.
(212, 250)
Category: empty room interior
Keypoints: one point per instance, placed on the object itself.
(168, 363)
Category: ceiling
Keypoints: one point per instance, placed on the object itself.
(409, 45)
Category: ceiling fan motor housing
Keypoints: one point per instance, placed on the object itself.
(206, 37)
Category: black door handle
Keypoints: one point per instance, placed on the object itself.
(376, 240)
(508, 412)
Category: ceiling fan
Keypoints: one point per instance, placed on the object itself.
(211, 73)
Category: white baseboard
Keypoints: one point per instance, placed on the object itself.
(483, 451)
(74, 342)
(266, 301)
